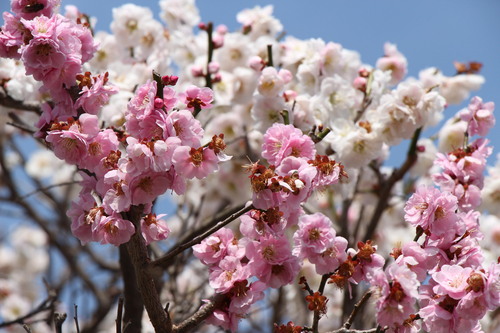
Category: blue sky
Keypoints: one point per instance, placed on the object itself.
(428, 32)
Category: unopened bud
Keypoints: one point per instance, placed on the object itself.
(169, 80)
(360, 83)
(213, 67)
(256, 63)
(197, 71)
(221, 29)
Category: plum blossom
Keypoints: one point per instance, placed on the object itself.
(479, 116)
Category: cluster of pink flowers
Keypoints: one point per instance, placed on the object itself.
(223, 253)
(51, 46)
(158, 149)
(456, 290)
(279, 191)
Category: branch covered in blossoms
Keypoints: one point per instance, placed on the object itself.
(274, 151)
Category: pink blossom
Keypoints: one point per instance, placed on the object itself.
(452, 281)
(315, 234)
(70, 142)
(183, 125)
(281, 141)
(117, 196)
(198, 98)
(152, 155)
(492, 286)
(153, 228)
(98, 148)
(11, 36)
(191, 162)
(330, 259)
(271, 261)
(394, 61)
(84, 216)
(397, 291)
(329, 171)
(243, 296)
(228, 271)
(113, 230)
(95, 94)
(217, 246)
(142, 104)
(152, 127)
(29, 9)
(226, 320)
(432, 210)
(479, 116)
(147, 185)
(419, 259)
(257, 223)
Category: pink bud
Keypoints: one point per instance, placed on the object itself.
(360, 83)
(256, 63)
(213, 67)
(289, 95)
(158, 103)
(285, 75)
(218, 41)
(202, 26)
(221, 29)
(169, 80)
(197, 71)
(217, 78)
(363, 72)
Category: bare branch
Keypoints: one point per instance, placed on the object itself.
(46, 305)
(7, 101)
(206, 310)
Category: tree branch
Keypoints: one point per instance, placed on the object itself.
(7, 101)
(145, 281)
(203, 313)
(197, 236)
(387, 186)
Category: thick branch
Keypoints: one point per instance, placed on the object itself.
(134, 306)
(145, 281)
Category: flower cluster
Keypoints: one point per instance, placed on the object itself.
(296, 107)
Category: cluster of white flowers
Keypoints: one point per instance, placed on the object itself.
(22, 265)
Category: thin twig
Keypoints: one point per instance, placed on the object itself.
(76, 319)
(206, 310)
(59, 319)
(27, 328)
(270, 62)
(356, 309)
(47, 188)
(46, 305)
(119, 316)
(208, 75)
(197, 237)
